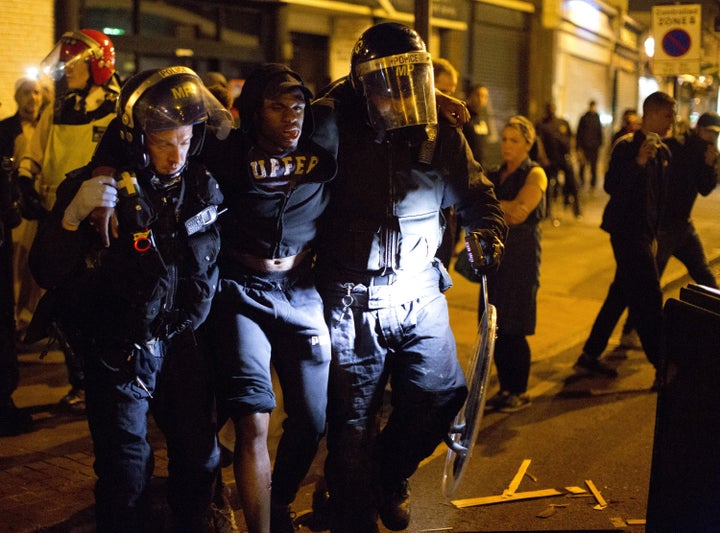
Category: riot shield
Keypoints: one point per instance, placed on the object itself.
(462, 435)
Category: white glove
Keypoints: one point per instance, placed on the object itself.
(99, 191)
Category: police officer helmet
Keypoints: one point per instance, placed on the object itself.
(90, 46)
(168, 98)
(391, 67)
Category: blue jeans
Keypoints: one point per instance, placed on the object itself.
(274, 318)
(401, 332)
(119, 389)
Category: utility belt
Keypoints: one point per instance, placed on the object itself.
(381, 291)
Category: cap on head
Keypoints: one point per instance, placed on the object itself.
(268, 81)
(709, 120)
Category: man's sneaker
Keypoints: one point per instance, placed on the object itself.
(393, 505)
(514, 403)
(74, 401)
(281, 519)
(630, 340)
(590, 365)
(497, 401)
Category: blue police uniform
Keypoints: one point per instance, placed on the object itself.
(382, 289)
(132, 315)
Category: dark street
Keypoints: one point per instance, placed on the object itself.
(579, 431)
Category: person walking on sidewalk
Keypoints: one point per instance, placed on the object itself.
(588, 140)
(556, 137)
(637, 182)
(520, 186)
(693, 171)
(131, 307)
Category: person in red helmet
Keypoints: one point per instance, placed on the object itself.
(82, 65)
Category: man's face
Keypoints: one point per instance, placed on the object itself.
(77, 74)
(708, 135)
(478, 99)
(29, 99)
(632, 122)
(280, 122)
(445, 83)
(659, 120)
(169, 148)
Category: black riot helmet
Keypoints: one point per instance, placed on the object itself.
(392, 68)
(164, 99)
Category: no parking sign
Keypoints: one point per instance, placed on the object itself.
(678, 48)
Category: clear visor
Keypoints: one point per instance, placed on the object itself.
(181, 105)
(400, 90)
(66, 55)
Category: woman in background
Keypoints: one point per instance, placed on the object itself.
(520, 185)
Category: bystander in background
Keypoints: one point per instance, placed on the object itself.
(446, 81)
(556, 137)
(520, 185)
(15, 132)
(589, 138)
(481, 132)
(636, 181)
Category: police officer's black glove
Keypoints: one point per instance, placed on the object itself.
(29, 200)
(485, 250)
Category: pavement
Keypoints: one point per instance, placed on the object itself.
(46, 476)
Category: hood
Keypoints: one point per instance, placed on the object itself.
(270, 79)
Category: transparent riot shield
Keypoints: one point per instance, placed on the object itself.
(462, 435)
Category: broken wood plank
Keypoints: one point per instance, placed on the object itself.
(489, 500)
(635, 521)
(515, 483)
(576, 490)
(602, 504)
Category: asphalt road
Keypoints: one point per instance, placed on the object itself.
(576, 430)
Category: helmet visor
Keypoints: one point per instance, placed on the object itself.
(400, 90)
(175, 97)
(69, 52)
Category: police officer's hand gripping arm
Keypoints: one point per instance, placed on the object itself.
(99, 191)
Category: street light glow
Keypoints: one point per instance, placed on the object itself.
(649, 46)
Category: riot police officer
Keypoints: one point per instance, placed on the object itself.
(381, 284)
(131, 308)
(82, 64)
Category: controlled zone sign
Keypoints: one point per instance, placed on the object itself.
(678, 49)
